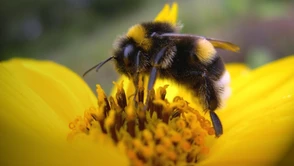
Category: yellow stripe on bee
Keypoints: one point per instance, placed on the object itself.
(138, 34)
(204, 50)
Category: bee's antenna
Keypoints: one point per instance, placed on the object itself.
(97, 66)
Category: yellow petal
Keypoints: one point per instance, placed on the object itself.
(19, 103)
(168, 14)
(31, 131)
(173, 15)
(258, 120)
(236, 70)
(60, 88)
(266, 70)
(260, 138)
(163, 13)
(257, 84)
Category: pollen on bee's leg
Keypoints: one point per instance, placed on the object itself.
(167, 133)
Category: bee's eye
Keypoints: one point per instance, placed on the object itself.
(129, 49)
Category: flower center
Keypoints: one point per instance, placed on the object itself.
(165, 133)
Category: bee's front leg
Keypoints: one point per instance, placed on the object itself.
(153, 74)
(136, 78)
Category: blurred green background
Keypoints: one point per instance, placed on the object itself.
(80, 33)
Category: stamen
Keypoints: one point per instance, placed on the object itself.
(102, 100)
(120, 95)
(152, 107)
(161, 92)
(110, 124)
(141, 116)
(118, 113)
(170, 133)
(131, 124)
(141, 89)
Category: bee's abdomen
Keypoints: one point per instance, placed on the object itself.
(215, 68)
(204, 51)
(221, 77)
(223, 86)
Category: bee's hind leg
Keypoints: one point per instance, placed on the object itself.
(217, 125)
(209, 96)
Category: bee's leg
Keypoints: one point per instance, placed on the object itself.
(211, 101)
(153, 74)
(136, 78)
(203, 87)
(217, 125)
(136, 91)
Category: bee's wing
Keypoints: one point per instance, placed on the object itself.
(215, 42)
(223, 44)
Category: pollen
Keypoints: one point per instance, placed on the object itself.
(164, 133)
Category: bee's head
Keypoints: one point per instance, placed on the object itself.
(130, 50)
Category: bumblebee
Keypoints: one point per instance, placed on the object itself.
(158, 50)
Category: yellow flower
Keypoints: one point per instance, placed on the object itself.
(38, 100)
(49, 116)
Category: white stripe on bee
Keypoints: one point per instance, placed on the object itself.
(224, 84)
